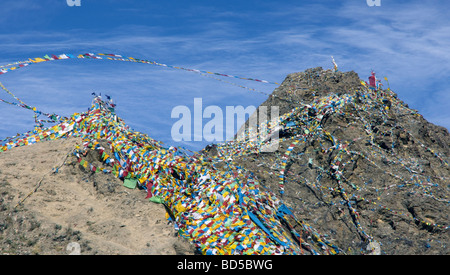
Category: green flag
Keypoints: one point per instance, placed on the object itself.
(130, 183)
(156, 199)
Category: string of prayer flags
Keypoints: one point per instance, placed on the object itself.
(115, 57)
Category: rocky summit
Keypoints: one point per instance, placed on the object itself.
(355, 163)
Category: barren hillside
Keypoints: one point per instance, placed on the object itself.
(74, 205)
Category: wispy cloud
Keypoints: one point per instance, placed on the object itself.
(407, 42)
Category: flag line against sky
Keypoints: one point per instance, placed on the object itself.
(406, 41)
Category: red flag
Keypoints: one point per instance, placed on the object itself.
(372, 80)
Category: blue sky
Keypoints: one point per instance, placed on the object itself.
(406, 41)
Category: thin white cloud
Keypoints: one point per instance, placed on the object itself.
(409, 46)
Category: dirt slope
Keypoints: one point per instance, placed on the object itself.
(92, 210)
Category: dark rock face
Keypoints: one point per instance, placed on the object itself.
(358, 165)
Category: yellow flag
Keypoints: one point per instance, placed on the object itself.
(180, 208)
(37, 60)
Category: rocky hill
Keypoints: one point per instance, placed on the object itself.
(51, 205)
(358, 165)
(354, 171)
